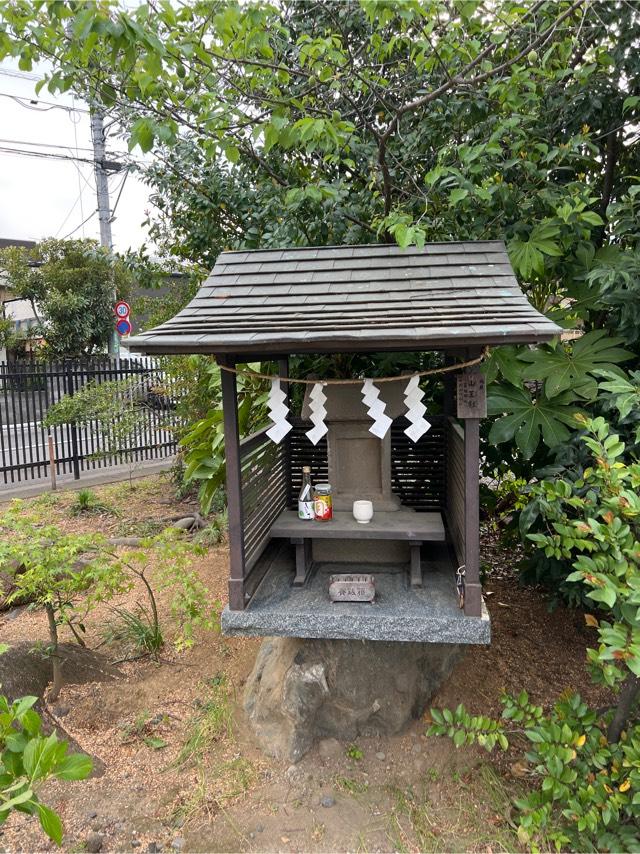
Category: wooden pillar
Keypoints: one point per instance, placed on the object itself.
(471, 407)
(472, 588)
(234, 484)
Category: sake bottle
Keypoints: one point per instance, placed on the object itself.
(305, 498)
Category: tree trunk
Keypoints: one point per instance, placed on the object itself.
(152, 602)
(628, 696)
(55, 654)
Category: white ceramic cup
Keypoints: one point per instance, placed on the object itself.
(363, 512)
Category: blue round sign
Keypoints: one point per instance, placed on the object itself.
(123, 327)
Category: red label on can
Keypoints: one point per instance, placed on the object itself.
(323, 508)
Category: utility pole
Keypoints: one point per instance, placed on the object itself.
(104, 210)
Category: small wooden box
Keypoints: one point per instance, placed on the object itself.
(352, 588)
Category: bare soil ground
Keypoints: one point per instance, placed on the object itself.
(181, 769)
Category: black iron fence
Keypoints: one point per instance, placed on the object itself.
(141, 427)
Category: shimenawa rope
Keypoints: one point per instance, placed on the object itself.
(431, 372)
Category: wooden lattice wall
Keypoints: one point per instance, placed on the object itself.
(418, 471)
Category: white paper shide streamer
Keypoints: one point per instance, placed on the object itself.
(376, 407)
(415, 409)
(317, 400)
(278, 411)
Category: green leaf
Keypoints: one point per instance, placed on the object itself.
(50, 823)
(17, 800)
(529, 419)
(76, 766)
(592, 218)
(603, 594)
(567, 367)
(527, 256)
(509, 365)
(39, 756)
(457, 195)
(24, 704)
(142, 134)
(232, 153)
(459, 738)
(155, 743)
(15, 742)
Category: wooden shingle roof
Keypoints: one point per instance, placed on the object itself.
(353, 298)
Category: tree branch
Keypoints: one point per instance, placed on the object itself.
(461, 78)
(628, 695)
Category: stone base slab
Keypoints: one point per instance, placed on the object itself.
(399, 613)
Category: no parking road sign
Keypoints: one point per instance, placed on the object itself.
(123, 327)
(122, 309)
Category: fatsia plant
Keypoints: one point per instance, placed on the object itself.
(543, 389)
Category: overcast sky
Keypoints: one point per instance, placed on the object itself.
(46, 197)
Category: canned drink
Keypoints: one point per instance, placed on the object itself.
(322, 502)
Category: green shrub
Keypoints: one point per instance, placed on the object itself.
(587, 796)
(586, 762)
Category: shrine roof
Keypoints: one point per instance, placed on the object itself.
(353, 298)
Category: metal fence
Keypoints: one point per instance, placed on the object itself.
(29, 388)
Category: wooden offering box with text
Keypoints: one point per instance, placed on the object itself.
(360, 587)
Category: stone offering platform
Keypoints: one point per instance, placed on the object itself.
(430, 614)
(415, 528)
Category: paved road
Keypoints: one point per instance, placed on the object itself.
(25, 444)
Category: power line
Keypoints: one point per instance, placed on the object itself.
(21, 75)
(73, 207)
(44, 144)
(47, 155)
(54, 155)
(84, 222)
(120, 189)
(32, 104)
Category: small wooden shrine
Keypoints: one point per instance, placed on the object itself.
(422, 545)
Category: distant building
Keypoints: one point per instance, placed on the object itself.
(20, 311)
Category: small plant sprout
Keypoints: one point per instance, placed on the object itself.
(354, 752)
(87, 502)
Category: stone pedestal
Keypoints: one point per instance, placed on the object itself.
(304, 690)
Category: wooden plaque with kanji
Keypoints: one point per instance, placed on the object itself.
(472, 396)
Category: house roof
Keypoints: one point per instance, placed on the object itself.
(5, 242)
(353, 298)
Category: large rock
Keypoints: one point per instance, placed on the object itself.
(303, 690)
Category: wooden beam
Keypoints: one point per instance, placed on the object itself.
(234, 485)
